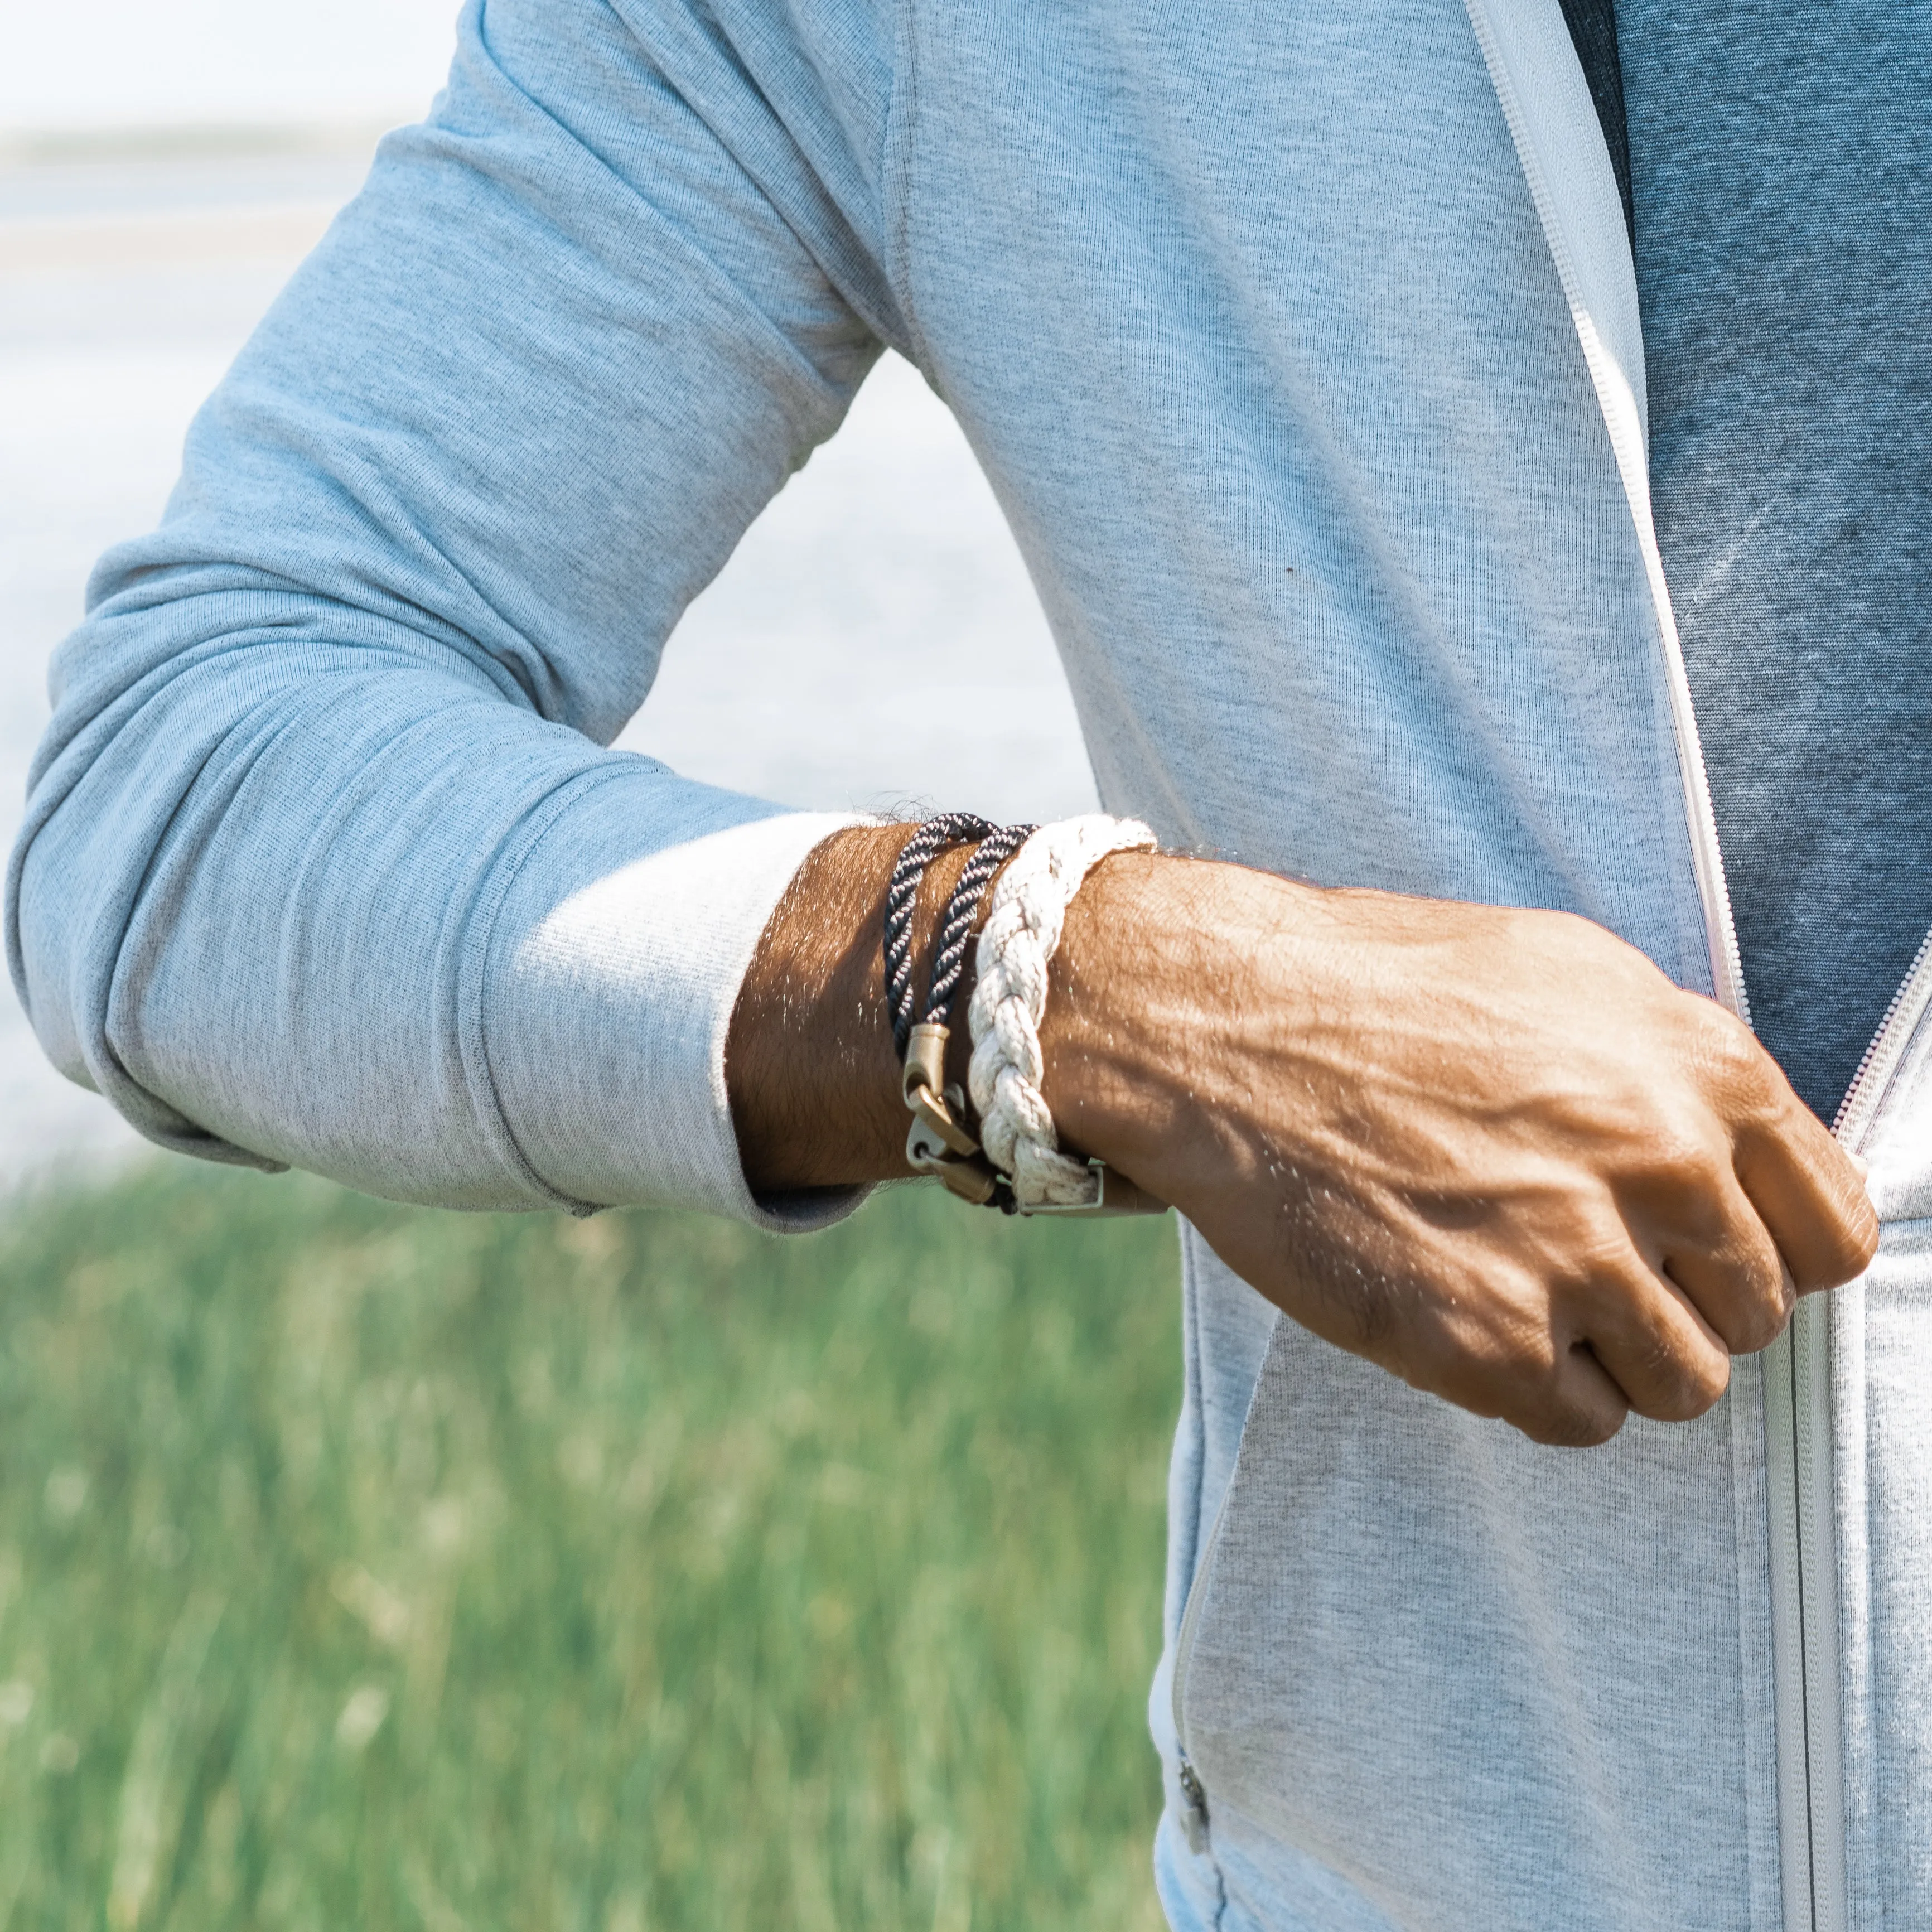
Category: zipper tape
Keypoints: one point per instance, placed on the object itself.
(1537, 47)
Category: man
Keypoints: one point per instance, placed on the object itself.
(1302, 345)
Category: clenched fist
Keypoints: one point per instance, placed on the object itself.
(1496, 1151)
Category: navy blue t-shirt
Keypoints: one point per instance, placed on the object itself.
(1780, 178)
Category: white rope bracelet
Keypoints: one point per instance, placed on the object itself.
(1027, 911)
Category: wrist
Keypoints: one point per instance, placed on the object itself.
(811, 1074)
(1145, 989)
(1123, 955)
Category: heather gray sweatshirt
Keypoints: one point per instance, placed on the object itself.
(1301, 345)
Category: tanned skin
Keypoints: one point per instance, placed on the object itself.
(1496, 1151)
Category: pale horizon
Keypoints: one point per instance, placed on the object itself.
(107, 66)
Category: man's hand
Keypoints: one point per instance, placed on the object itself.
(1494, 1151)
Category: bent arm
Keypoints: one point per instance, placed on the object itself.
(326, 860)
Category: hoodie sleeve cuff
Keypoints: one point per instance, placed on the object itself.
(614, 960)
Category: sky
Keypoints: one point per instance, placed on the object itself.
(98, 65)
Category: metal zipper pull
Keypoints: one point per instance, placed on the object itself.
(1193, 1808)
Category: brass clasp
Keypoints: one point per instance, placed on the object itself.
(938, 1143)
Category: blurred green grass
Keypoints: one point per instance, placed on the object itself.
(366, 1567)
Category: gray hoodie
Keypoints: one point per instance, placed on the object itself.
(1300, 343)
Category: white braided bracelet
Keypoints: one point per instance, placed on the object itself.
(1028, 908)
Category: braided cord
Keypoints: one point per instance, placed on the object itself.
(949, 963)
(1016, 947)
(918, 851)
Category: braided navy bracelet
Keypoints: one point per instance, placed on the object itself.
(939, 1142)
(949, 828)
(949, 962)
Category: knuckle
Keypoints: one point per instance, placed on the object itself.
(1567, 939)
(1565, 1411)
(1754, 1330)
(1838, 1253)
(1676, 1156)
(1858, 1237)
(1760, 1319)
(1753, 1299)
(1680, 1157)
(1561, 1424)
(1681, 1387)
(1704, 1386)
(1727, 1053)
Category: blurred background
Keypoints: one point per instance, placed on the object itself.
(361, 1566)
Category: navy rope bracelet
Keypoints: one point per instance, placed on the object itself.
(949, 828)
(949, 963)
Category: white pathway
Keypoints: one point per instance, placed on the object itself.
(879, 597)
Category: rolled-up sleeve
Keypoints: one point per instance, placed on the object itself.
(327, 861)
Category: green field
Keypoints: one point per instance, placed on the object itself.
(362, 1568)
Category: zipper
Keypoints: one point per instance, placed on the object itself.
(1804, 1615)
(1797, 1384)
(1804, 1579)
(1536, 46)
(1799, 1458)
(1855, 1112)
